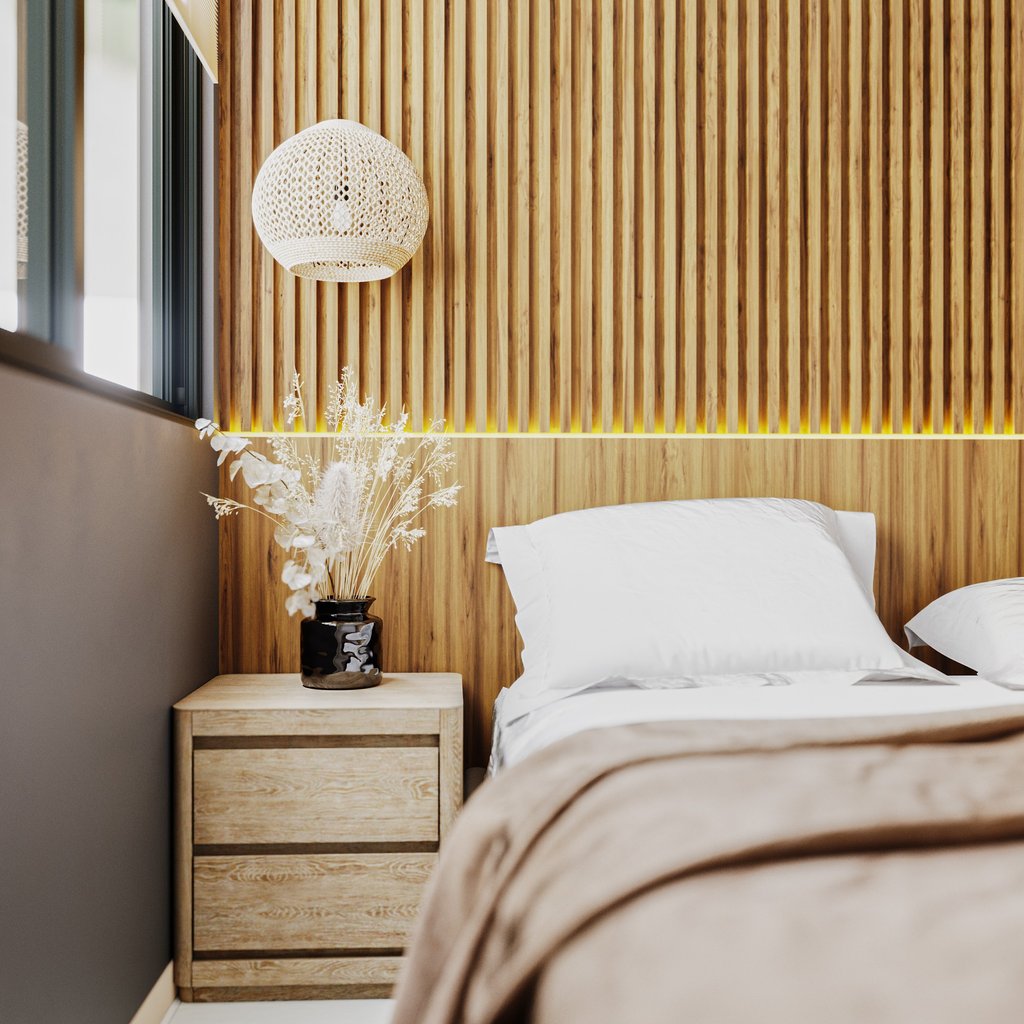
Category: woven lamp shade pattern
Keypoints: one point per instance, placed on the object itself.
(338, 202)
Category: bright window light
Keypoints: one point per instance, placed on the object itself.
(111, 320)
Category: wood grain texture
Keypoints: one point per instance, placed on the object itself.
(183, 849)
(277, 993)
(307, 822)
(781, 215)
(308, 901)
(353, 970)
(947, 511)
(237, 705)
(316, 796)
(450, 754)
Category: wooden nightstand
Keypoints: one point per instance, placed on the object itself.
(308, 822)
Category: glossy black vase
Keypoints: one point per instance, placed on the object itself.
(341, 646)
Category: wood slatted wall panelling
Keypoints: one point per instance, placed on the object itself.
(772, 216)
(948, 512)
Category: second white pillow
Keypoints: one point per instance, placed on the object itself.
(980, 626)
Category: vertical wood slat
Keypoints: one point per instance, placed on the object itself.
(773, 213)
(370, 114)
(958, 206)
(414, 317)
(582, 218)
(977, 245)
(349, 86)
(328, 107)
(709, 257)
(435, 341)
(284, 127)
(794, 226)
(498, 219)
(667, 167)
(876, 357)
(242, 231)
(456, 172)
(998, 154)
(562, 218)
(835, 232)
(226, 407)
(263, 285)
(1016, 164)
(541, 67)
(475, 256)
(777, 215)
(815, 216)
(519, 213)
(691, 171)
(915, 370)
(647, 388)
(623, 141)
(894, 302)
(855, 217)
(938, 125)
(754, 183)
(392, 290)
(729, 371)
(306, 114)
(605, 202)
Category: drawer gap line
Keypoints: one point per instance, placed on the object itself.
(296, 954)
(281, 849)
(314, 742)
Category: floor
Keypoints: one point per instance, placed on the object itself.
(349, 1011)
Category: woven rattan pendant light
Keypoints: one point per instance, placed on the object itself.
(338, 202)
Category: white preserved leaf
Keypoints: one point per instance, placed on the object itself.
(295, 576)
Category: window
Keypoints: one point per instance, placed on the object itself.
(101, 188)
(112, 325)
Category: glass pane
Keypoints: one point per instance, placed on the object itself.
(13, 165)
(111, 318)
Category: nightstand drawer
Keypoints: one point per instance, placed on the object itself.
(343, 901)
(316, 795)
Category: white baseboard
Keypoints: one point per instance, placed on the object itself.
(156, 1007)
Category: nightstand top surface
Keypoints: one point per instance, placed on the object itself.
(286, 692)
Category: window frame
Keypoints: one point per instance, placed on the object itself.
(171, 237)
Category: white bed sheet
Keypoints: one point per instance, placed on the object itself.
(593, 709)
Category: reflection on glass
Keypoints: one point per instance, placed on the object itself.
(111, 221)
(12, 202)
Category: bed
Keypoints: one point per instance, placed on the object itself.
(840, 842)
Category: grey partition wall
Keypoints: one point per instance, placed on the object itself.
(108, 614)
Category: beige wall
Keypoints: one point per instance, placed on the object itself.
(108, 613)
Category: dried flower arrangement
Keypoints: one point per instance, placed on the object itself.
(337, 519)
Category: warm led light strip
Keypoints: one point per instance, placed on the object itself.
(494, 435)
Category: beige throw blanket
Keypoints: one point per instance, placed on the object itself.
(833, 871)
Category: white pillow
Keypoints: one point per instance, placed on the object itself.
(857, 537)
(686, 589)
(981, 626)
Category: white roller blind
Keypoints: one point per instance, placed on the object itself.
(198, 19)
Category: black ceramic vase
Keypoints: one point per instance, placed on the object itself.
(341, 646)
